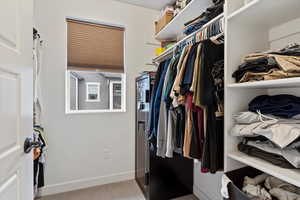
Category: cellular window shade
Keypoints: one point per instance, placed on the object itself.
(95, 47)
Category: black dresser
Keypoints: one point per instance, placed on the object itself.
(158, 178)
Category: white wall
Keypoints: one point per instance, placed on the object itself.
(207, 186)
(285, 34)
(89, 149)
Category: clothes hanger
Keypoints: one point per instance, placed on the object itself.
(174, 52)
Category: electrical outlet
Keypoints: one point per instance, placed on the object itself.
(107, 154)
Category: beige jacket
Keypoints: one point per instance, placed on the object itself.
(180, 76)
(270, 75)
(180, 73)
(187, 133)
(196, 69)
(179, 65)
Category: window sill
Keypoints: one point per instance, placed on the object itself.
(75, 112)
(91, 101)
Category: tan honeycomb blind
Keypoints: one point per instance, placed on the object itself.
(95, 47)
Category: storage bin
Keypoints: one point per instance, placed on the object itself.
(237, 178)
(159, 51)
(163, 21)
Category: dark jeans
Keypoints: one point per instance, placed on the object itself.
(270, 157)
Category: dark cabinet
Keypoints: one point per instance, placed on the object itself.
(158, 178)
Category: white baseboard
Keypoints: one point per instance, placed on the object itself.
(200, 194)
(86, 183)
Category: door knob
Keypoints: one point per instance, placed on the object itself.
(29, 144)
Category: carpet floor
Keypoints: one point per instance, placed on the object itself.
(127, 190)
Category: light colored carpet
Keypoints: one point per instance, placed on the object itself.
(128, 190)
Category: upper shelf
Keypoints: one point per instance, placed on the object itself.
(279, 83)
(168, 52)
(291, 176)
(176, 26)
(266, 13)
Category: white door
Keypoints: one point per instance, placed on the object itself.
(16, 168)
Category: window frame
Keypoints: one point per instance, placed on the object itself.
(111, 94)
(76, 87)
(67, 98)
(68, 111)
(87, 84)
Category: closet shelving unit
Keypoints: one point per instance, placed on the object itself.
(289, 175)
(169, 51)
(260, 25)
(175, 28)
(280, 83)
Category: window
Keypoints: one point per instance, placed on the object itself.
(116, 95)
(92, 92)
(73, 92)
(95, 78)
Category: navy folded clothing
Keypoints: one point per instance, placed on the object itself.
(194, 27)
(282, 105)
(205, 17)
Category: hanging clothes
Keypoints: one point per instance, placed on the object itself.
(150, 128)
(38, 163)
(163, 133)
(189, 71)
(197, 140)
(163, 118)
(37, 94)
(188, 126)
(38, 130)
(186, 113)
(156, 102)
(213, 150)
(170, 112)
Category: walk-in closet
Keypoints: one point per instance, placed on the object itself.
(150, 100)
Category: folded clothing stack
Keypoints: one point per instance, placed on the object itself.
(271, 129)
(264, 187)
(270, 65)
(205, 17)
(180, 5)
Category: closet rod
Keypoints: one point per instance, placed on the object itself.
(168, 53)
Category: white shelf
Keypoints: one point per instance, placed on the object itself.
(279, 83)
(257, 26)
(164, 54)
(243, 9)
(291, 176)
(170, 50)
(266, 13)
(175, 28)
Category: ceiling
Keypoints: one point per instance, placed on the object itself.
(153, 4)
